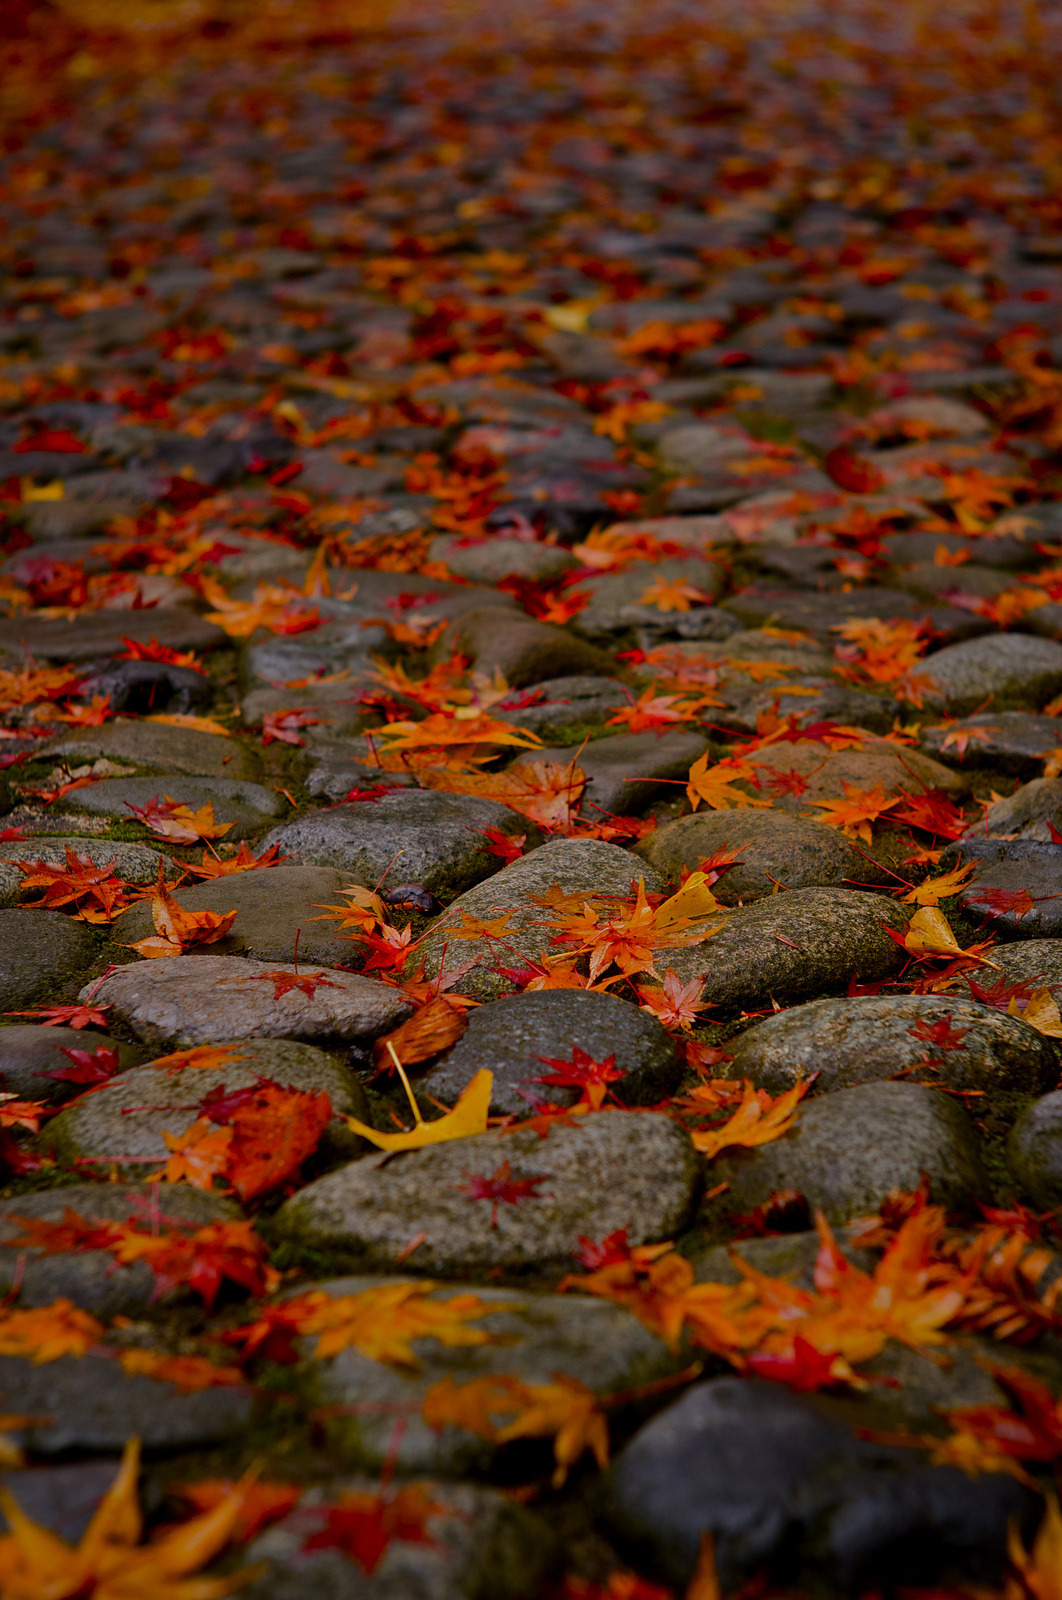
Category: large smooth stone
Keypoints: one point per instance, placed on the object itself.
(249, 806)
(774, 848)
(616, 600)
(608, 1171)
(624, 772)
(30, 1051)
(823, 773)
(431, 839)
(1009, 874)
(1005, 667)
(1034, 1151)
(190, 1000)
(522, 650)
(162, 746)
(100, 633)
(1009, 741)
(848, 1149)
(38, 950)
(1028, 813)
(875, 1037)
(135, 863)
(512, 1036)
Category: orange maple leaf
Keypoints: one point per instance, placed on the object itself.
(758, 1120)
(97, 895)
(170, 819)
(188, 1374)
(176, 929)
(673, 594)
(565, 1408)
(713, 783)
(543, 791)
(855, 813)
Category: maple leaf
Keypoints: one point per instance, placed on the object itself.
(263, 1503)
(169, 819)
(284, 726)
(176, 929)
(364, 1525)
(47, 1332)
(652, 710)
(199, 1154)
(802, 1367)
(545, 792)
(673, 594)
(855, 813)
(274, 606)
(1018, 901)
(582, 1072)
(675, 1004)
(184, 719)
(758, 1120)
(90, 1066)
(430, 1030)
(714, 784)
(188, 1374)
(934, 890)
(77, 1017)
(960, 739)
(382, 1322)
(853, 472)
(453, 728)
(28, 1114)
(153, 651)
(932, 811)
(507, 849)
(97, 895)
(500, 1187)
(242, 861)
(203, 1260)
(109, 1563)
(199, 1057)
(284, 982)
(93, 714)
(565, 1409)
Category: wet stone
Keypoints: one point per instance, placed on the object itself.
(937, 1039)
(39, 950)
(783, 1482)
(1035, 962)
(1006, 667)
(849, 1148)
(62, 1498)
(617, 601)
(1029, 813)
(134, 863)
(161, 746)
(1034, 1151)
(125, 1119)
(608, 1171)
(1007, 741)
(142, 688)
(191, 999)
(819, 613)
(29, 1052)
(432, 839)
(275, 906)
(628, 771)
(792, 946)
(795, 776)
(587, 866)
(499, 558)
(773, 848)
(100, 633)
(561, 703)
(534, 1337)
(522, 650)
(1010, 874)
(248, 806)
(478, 1544)
(512, 1036)
(91, 1278)
(91, 1403)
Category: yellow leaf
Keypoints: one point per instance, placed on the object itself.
(468, 1117)
(565, 1408)
(694, 899)
(1041, 1012)
(715, 786)
(928, 934)
(1040, 1569)
(181, 719)
(45, 491)
(934, 890)
(758, 1120)
(45, 1333)
(383, 1321)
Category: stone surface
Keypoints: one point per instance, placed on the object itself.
(423, 837)
(478, 1544)
(533, 1336)
(500, 558)
(91, 1278)
(783, 1482)
(274, 905)
(511, 1036)
(849, 1148)
(821, 774)
(134, 863)
(1009, 741)
(1008, 875)
(190, 999)
(624, 772)
(522, 650)
(30, 1051)
(608, 1171)
(934, 1039)
(1034, 1151)
(92, 1404)
(61, 1498)
(1028, 813)
(1036, 962)
(773, 848)
(1004, 668)
(39, 950)
(617, 600)
(125, 1119)
(162, 747)
(578, 865)
(100, 633)
(248, 806)
(819, 613)
(792, 946)
(563, 703)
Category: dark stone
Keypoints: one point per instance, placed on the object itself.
(818, 614)
(627, 772)
(785, 1486)
(248, 806)
(1014, 867)
(522, 650)
(140, 687)
(30, 1051)
(775, 848)
(511, 1036)
(1008, 741)
(1034, 1151)
(100, 633)
(63, 1498)
(1007, 666)
(38, 949)
(1029, 813)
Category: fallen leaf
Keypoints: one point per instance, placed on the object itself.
(468, 1117)
(433, 1028)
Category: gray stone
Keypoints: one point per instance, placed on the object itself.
(792, 946)
(1036, 962)
(511, 1037)
(1004, 667)
(124, 1120)
(63, 1498)
(926, 579)
(248, 806)
(38, 950)
(700, 447)
(874, 1037)
(522, 650)
(501, 558)
(1016, 867)
(825, 772)
(1008, 741)
(1034, 1151)
(533, 1336)
(30, 1051)
(100, 633)
(819, 613)
(1023, 815)
(624, 773)
(274, 905)
(608, 1171)
(423, 837)
(191, 999)
(333, 777)
(562, 703)
(848, 1149)
(783, 1482)
(578, 865)
(807, 697)
(92, 1279)
(905, 549)
(90, 1403)
(616, 601)
(478, 1545)
(161, 746)
(337, 706)
(775, 848)
(135, 863)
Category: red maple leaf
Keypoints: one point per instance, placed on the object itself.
(802, 1367)
(607, 1252)
(362, 1526)
(581, 1072)
(284, 982)
(81, 1016)
(153, 651)
(999, 994)
(90, 1066)
(853, 472)
(500, 1188)
(791, 782)
(1020, 901)
(501, 845)
(284, 725)
(941, 1035)
(931, 811)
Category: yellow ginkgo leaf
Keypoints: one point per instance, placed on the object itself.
(694, 899)
(1041, 1012)
(468, 1117)
(928, 934)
